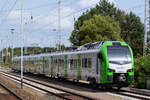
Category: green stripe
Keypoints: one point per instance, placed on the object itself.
(79, 67)
(52, 66)
(66, 66)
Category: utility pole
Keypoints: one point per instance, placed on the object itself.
(21, 5)
(2, 50)
(7, 45)
(146, 25)
(12, 49)
(59, 25)
(1, 54)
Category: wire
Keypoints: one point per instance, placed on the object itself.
(67, 16)
(10, 10)
(3, 6)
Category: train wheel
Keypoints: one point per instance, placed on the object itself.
(119, 87)
(93, 82)
(103, 87)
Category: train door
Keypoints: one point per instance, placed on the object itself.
(39, 66)
(46, 70)
(97, 68)
(52, 66)
(87, 69)
(73, 71)
(55, 66)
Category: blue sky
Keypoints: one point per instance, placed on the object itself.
(40, 30)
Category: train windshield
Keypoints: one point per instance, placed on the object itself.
(119, 55)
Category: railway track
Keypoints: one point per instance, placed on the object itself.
(58, 92)
(133, 94)
(15, 96)
(125, 93)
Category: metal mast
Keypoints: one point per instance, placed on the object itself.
(21, 4)
(12, 49)
(59, 26)
(2, 51)
(7, 46)
(146, 25)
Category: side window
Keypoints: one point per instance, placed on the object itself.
(62, 62)
(89, 62)
(73, 64)
(46, 63)
(55, 61)
(86, 63)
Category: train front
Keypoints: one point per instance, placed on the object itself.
(119, 64)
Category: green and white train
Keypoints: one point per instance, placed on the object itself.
(108, 63)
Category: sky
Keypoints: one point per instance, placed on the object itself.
(42, 29)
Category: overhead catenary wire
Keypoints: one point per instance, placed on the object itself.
(9, 11)
(67, 16)
(63, 17)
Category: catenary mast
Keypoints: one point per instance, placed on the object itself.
(59, 26)
(146, 25)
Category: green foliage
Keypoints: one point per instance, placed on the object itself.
(133, 33)
(99, 28)
(130, 25)
(142, 70)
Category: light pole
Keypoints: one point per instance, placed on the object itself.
(21, 5)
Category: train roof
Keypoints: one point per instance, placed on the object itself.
(60, 53)
(84, 49)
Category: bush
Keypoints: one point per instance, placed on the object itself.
(142, 70)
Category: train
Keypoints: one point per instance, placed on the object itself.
(106, 64)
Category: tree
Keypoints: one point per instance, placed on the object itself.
(130, 24)
(133, 32)
(142, 70)
(98, 28)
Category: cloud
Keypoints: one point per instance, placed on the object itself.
(85, 3)
(44, 24)
(91, 3)
(52, 18)
(14, 17)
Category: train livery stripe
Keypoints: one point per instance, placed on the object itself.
(52, 66)
(66, 66)
(79, 67)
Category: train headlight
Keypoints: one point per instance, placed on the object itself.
(129, 70)
(111, 70)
